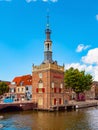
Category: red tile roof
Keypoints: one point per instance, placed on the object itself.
(23, 80)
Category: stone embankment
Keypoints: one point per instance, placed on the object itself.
(83, 104)
(17, 106)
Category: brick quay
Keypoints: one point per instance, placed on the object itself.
(23, 106)
(17, 106)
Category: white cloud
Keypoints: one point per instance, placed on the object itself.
(54, 0)
(45, 0)
(95, 73)
(97, 17)
(28, 1)
(89, 63)
(6, 0)
(93, 70)
(91, 57)
(82, 47)
(75, 65)
(87, 68)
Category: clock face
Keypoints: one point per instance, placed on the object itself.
(40, 75)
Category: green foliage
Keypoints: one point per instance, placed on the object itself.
(77, 80)
(3, 88)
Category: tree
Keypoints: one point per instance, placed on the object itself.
(77, 80)
(3, 88)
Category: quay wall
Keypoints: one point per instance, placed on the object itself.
(33, 106)
(84, 104)
(20, 105)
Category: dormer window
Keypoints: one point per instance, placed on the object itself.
(21, 83)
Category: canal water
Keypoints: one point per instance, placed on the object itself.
(83, 119)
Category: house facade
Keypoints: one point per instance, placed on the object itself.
(96, 89)
(90, 94)
(21, 88)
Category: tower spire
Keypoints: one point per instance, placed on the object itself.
(48, 43)
(48, 31)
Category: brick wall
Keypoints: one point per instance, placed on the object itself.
(50, 96)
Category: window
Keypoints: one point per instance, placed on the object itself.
(26, 88)
(59, 90)
(22, 89)
(18, 89)
(21, 83)
(40, 87)
(61, 85)
(59, 100)
(52, 85)
(54, 90)
(48, 46)
(40, 90)
(12, 90)
(55, 101)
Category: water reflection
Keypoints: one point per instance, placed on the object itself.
(85, 119)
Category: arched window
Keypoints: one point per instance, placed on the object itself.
(48, 46)
(40, 85)
(40, 88)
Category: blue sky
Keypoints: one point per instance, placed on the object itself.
(74, 25)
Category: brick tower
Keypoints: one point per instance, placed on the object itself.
(48, 78)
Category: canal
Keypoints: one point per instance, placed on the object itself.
(83, 119)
